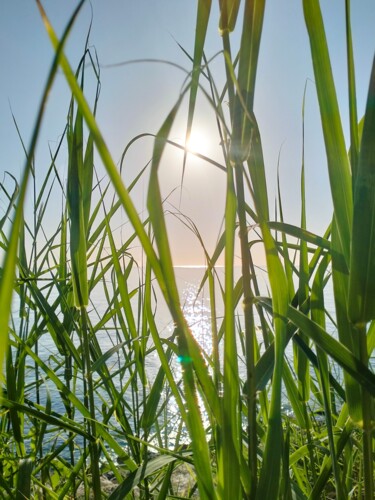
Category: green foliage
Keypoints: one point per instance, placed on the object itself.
(231, 431)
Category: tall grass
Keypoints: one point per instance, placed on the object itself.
(233, 436)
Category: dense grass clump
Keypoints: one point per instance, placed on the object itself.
(81, 412)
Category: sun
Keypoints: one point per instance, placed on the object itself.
(198, 142)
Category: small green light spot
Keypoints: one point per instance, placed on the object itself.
(184, 359)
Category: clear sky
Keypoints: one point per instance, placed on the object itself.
(136, 98)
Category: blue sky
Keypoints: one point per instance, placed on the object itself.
(136, 98)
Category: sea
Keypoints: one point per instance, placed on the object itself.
(195, 302)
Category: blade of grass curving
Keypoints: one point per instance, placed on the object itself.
(138, 475)
(108, 354)
(48, 418)
(301, 233)
(334, 349)
(246, 145)
(80, 175)
(57, 330)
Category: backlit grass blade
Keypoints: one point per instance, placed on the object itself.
(243, 117)
(250, 337)
(228, 452)
(346, 332)
(329, 344)
(246, 146)
(302, 365)
(75, 194)
(362, 265)
(302, 234)
(334, 349)
(354, 134)
(285, 248)
(337, 158)
(57, 330)
(126, 304)
(203, 16)
(362, 268)
(280, 297)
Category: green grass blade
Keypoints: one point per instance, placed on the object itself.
(334, 349)
(280, 297)
(285, 249)
(362, 265)
(338, 164)
(47, 418)
(203, 16)
(75, 195)
(302, 365)
(346, 331)
(23, 488)
(138, 475)
(243, 117)
(354, 134)
(318, 316)
(229, 471)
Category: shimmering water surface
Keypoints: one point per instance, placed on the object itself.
(196, 307)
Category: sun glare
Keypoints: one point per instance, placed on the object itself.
(198, 142)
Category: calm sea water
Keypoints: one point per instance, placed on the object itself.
(197, 312)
